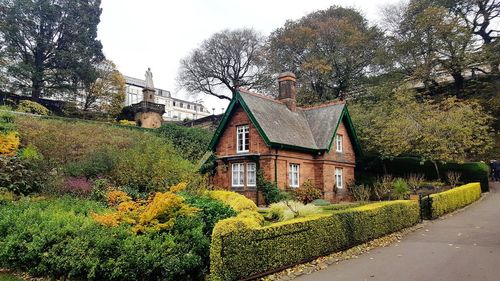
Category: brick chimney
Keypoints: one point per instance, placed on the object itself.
(287, 92)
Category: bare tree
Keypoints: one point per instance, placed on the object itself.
(482, 17)
(227, 60)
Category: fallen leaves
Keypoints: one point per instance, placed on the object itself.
(352, 253)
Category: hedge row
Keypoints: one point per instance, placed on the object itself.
(441, 203)
(402, 166)
(244, 251)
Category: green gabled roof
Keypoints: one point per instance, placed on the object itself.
(306, 129)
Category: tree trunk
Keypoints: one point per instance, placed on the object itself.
(37, 76)
(459, 81)
(437, 169)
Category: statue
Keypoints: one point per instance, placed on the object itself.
(149, 79)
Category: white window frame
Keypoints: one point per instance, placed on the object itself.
(251, 174)
(294, 175)
(240, 135)
(338, 143)
(339, 177)
(238, 174)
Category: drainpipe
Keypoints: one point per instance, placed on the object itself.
(276, 167)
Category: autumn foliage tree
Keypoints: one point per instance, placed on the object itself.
(395, 123)
(329, 51)
(104, 90)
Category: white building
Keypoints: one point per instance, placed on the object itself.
(175, 109)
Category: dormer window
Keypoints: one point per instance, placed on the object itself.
(242, 139)
(338, 143)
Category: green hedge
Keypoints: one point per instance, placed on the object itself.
(441, 203)
(241, 251)
(402, 166)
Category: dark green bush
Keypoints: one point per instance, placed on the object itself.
(58, 239)
(242, 251)
(22, 176)
(97, 163)
(211, 211)
(441, 203)
(192, 143)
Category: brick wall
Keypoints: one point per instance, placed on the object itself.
(320, 169)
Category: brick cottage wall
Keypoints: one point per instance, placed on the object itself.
(320, 169)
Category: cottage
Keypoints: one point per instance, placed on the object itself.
(289, 144)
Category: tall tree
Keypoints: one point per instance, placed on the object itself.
(227, 60)
(106, 92)
(329, 51)
(49, 43)
(482, 18)
(393, 123)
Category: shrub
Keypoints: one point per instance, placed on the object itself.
(21, 176)
(97, 163)
(240, 250)
(158, 213)
(359, 192)
(287, 210)
(9, 143)
(191, 142)
(126, 122)
(307, 192)
(238, 202)
(444, 202)
(58, 239)
(453, 178)
(100, 189)
(210, 211)
(382, 186)
(32, 107)
(415, 181)
(6, 196)
(343, 206)
(270, 190)
(151, 165)
(400, 188)
(76, 186)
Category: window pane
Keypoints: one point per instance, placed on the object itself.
(251, 174)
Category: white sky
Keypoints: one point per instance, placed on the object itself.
(159, 33)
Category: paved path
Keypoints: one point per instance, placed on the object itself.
(465, 246)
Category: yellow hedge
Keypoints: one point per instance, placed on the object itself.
(240, 248)
(444, 202)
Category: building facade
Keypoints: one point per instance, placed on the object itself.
(175, 109)
(288, 144)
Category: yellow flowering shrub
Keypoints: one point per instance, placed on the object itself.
(115, 197)
(236, 201)
(9, 143)
(157, 213)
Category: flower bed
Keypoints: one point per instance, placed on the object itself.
(240, 249)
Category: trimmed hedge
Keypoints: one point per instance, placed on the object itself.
(441, 203)
(402, 166)
(245, 251)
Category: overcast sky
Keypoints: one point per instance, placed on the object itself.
(158, 34)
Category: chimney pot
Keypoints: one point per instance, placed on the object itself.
(287, 91)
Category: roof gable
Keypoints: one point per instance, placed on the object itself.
(309, 129)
